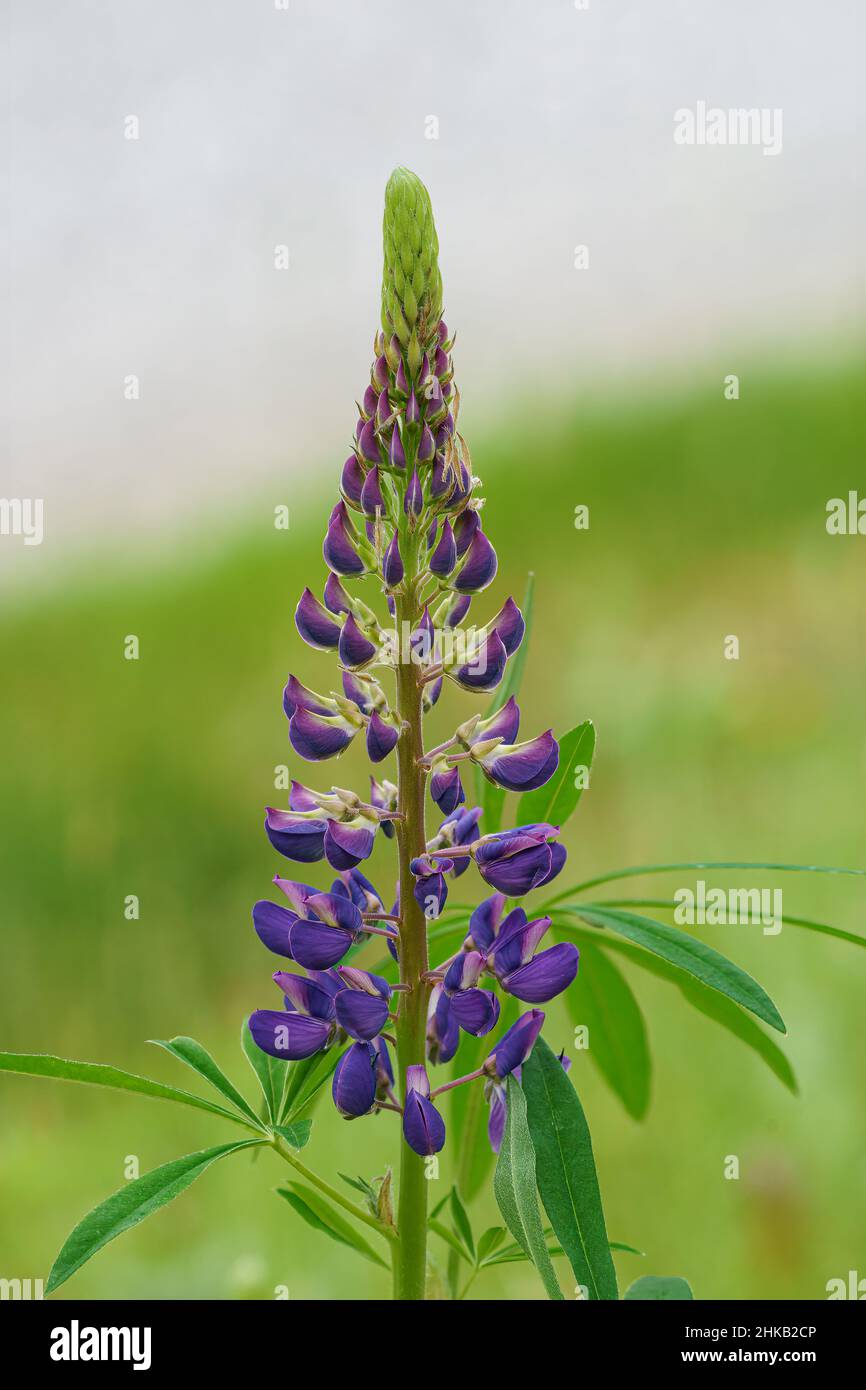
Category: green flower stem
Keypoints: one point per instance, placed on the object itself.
(333, 1195)
(411, 1271)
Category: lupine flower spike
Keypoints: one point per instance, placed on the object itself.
(406, 528)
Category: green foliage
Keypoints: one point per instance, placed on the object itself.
(318, 1212)
(565, 1164)
(139, 1198)
(601, 1000)
(557, 800)
(193, 1055)
(659, 1287)
(514, 1186)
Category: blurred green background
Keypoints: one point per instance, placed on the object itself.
(148, 777)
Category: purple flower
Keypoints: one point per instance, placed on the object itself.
(346, 844)
(510, 625)
(443, 1031)
(486, 666)
(444, 557)
(371, 493)
(289, 1036)
(515, 1045)
(355, 647)
(413, 503)
(361, 1008)
(315, 623)
(339, 547)
(475, 1010)
(317, 935)
(317, 737)
(355, 1080)
(352, 480)
(368, 443)
(430, 889)
(296, 836)
(509, 947)
(381, 738)
(392, 564)
(479, 567)
(397, 454)
(335, 596)
(516, 861)
(423, 1126)
(521, 767)
(446, 788)
(503, 724)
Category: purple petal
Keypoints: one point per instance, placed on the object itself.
(545, 976)
(381, 738)
(290, 1037)
(446, 789)
(345, 846)
(479, 567)
(355, 647)
(371, 494)
(514, 1047)
(423, 1126)
(315, 624)
(316, 946)
(306, 995)
(295, 695)
(354, 1084)
(444, 557)
(510, 626)
(392, 564)
(361, 1015)
(301, 840)
(336, 910)
(476, 1010)
(522, 767)
(273, 926)
(397, 453)
(316, 737)
(484, 922)
(338, 550)
(336, 598)
(352, 480)
(485, 670)
(368, 444)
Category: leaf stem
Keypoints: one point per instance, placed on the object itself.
(336, 1197)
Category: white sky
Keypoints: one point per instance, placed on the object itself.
(262, 126)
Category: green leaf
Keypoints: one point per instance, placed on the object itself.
(490, 797)
(270, 1072)
(450, 1239)
(662, 1287)
(558, 798)
(193, 1055)
(305, 1081)
(135, 1201)
(567, 1178)
(462, 1224)
(689, 954)
(638, 870)
(707, 1001)
(601, 999)
(296, 1135)
(625, 1249)
(318, 1213)
(821, 927)
(490, 1241)
(514, 1186)
(97, 1074)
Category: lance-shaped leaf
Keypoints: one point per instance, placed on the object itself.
(305, 1082)
(601, 1001)
(136, 1200)
(567, 1178)
(318, 1213)
(558, 798)
(467, 1126)
(295, 1135)
(98, 1074)
(689, 954)
(663, 1287)
(193, 1055)
(271, 1072)
(514, 1186)
(707, 1001)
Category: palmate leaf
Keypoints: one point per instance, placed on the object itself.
(659, 1287)
(558, 798)
(707, 1001)
(602, 1001)
(136, 1200)
(318, 1213)
(567, 1178)
(514, 1186)
(488, 796)
(98, 1074)
(686, 952)
(193, 1055)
